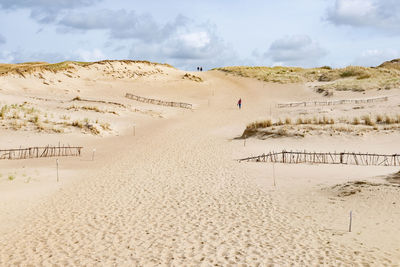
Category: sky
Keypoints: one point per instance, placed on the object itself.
(207, 33)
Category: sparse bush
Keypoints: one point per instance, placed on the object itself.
(105, 126)
(367, 120)
(299, 121)
(379, 119)
(65, 117)
(398, 118)
(34, 119)
(77, 124)
(92, 108)
(288, 121)
(388, 119)
(11, 177)
(3, 111)
(356, 121)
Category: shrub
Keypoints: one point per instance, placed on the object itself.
(77, 124)
(368, 121)
(388, 120)
(105, 126)
(299, 121)
(379, 118)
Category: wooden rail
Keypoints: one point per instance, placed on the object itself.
(40, 152)
(292, 157)
(333, 102)
(158, 102)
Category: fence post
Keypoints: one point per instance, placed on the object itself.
(57, 169)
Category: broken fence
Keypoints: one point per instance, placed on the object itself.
(40, 152)
(333, 102)
(158, 102)
(292, 157)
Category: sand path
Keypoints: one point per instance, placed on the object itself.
(174, 197)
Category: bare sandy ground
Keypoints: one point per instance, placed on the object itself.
(173, 194)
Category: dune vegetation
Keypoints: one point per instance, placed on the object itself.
(351, 78)
(301, 126)
(30, 67)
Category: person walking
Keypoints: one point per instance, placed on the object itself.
(239, 103)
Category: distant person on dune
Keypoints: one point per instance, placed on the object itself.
(239, 103)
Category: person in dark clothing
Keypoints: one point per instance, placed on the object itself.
(201, 68)
(239, 103)
(198, 68)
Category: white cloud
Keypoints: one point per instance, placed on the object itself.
(378, 14)
(296, 50)
(187, 50)
(195, 39)
(122, 24)
(91, 55)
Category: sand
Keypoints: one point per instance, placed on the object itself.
(173, 194)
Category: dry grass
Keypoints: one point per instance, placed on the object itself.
(23, 69)
(352, 78)
(191, 77)
(356, 125)
(393, 64)
(24, 117)
(90, 108)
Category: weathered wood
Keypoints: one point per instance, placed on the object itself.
(364, 159)
(158, 102)
(333, 102)
(39, 152)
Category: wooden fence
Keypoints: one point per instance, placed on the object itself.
(327, 158)
(158, 102)
(333, 102)
(40, 152)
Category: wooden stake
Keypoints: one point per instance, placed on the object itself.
(94, 150)
(134, 130)
(273, 173)
(351, 218)
(57, 170)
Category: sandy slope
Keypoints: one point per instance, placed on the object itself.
(174, 195)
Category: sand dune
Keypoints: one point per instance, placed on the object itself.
(173, 194)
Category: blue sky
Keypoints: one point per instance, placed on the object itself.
(204, 33)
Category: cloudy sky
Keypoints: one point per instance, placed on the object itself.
(208, 33)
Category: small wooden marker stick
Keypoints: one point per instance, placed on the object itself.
(273, 173)
(57, 169)
(94, 150)
(134, 130)
(351, 218)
